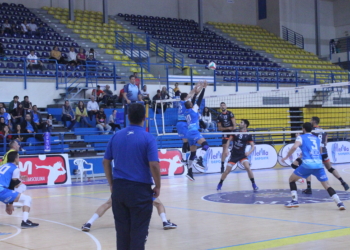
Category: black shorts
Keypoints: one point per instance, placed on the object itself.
(225, 138)
(234, 158)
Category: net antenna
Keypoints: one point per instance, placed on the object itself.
(277, 112)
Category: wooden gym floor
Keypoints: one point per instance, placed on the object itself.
(202, 224)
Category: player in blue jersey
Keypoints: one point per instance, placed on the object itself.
(326, 161)
(194, 136)
(310, 146)
(181, 124)
(9, 180)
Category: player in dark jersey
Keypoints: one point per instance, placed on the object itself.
(238, 153)
(323, 138)
(226, 123)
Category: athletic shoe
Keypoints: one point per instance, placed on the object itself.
(341, 206)
(255, 187)
(345, 185)
(86, 227)
(292, 204)
(190, 175)
(219, 187)
(199, 163)
(169, 225)
(307, 191)
(222, 170)
(28, 224)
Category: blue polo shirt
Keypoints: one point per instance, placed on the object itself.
(132, 148)
(132, 92)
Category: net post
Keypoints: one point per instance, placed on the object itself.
(296, 79)
(147, 116)
(314, 77)
(163, 123)
(277, 78)
(191, 75)
(214, 81)
(236, 79)
(257, 79)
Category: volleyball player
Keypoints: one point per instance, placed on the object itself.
(226, 123)
(194, 136)
(9, 180)
(326, 161)
(181, 124)
(104, 207)
(311, 149)
(238, 154)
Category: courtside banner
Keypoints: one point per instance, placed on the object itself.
(339, 152)
(283, 153)
(170, 162)
(45, 169)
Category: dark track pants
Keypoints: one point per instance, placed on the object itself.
(132, 209)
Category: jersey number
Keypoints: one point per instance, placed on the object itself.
(188, 119)
(4, 169)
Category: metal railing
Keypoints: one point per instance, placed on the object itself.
(293, 37)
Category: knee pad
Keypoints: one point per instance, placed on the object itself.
(294, 166)
(26, 200)
(331, 170)
(185, 147)
(300, 161)
(21, 188)
(192, 156)
(205, 145)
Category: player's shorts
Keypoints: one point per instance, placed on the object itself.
(319, 173)
(225, 138)
(182, 129)
(193, 136)
(236, 158)
(8, 196)
(325, 158)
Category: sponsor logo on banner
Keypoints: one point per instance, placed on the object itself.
(45, 169)
(170, 162)
(339, 152)
(283, 153)
(263, 156)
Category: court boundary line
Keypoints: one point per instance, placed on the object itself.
(19, 230)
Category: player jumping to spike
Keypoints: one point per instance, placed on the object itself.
(194, 136)
(311, 150)
(226, 123)
(238, 153)
(326, 161)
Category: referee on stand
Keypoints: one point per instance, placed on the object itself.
(135, 156)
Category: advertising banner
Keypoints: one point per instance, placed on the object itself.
(339, 152)
(170, 162)
(283, 153)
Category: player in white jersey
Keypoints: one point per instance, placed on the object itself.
(326, 161)
(310, 146)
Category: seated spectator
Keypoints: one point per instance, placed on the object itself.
(81, 57)
(17, 134)
(91, 62)
(177, 90)
(55, 54)
(5, 133)
(2, 122)
(17, 114)
(16, 29)
(158, 106)
(24, 28)
(121, 96)
(144, 93)
(107, 95)
(36, 117)
(2, 52)
(112, 120)
(164, 96)
(33, 62)
(68, 115)
(98, 93)
(137, 80)
(2, 105)
(32, 27)
(6, 28)
(92, 107)
(81, 114)
(41, 30)
(14, 103)
(29, 129)
(48, 124)
(72, 57)
(27, 106)
(6, 116)
(91, 51)
(101, 122)
(206, 117)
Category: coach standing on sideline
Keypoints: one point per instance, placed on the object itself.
(135, 156)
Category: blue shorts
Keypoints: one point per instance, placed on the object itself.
(182, 129)
(319, 173)
(8, 196)
(193, 136)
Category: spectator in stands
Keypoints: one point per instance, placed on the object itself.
(32, 27)
(137, 80)
(36, 117)
(107, 95)
(206, 117)
(5, 133)
(27, 106)
(29, 129)
(121, 96)
(164, 95)
(24, 28)
(144, 93)
(158, 106)
(2, 122)
(2, 52)
(112, 121)
(101, 122)
(68, 115)
(41, 30)
(6, 28)
(98, 93)
(91, 62)
(48, 123)
(177, 90)
(92, 107)
(14, 103)
(6, 116)
(81, 57)
(91, 51)
(131, 91)
(81, 114)
(17, 134)
(33, 62)
(2, 105)
(55, 54)
(16, 29)
(17, 114)
(72, 57)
